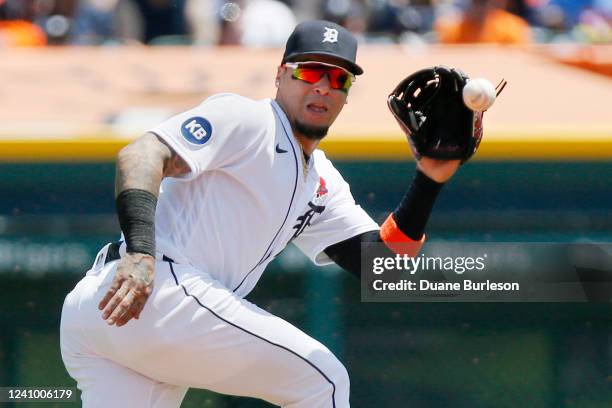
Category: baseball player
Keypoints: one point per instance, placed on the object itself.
(205, 201)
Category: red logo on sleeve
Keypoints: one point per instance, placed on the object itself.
(322, 188)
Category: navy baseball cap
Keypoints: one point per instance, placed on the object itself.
(320, 37)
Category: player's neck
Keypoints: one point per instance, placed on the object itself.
(308, 145)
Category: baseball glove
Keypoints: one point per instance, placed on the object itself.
(428, 106)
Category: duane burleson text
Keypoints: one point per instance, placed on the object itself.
(429, 286)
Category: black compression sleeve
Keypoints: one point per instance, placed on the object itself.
(412, 213)
(136, 213)
(347, 254)
(411, 216)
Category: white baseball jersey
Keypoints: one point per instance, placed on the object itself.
(249, 192)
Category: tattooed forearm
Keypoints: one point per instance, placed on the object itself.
(143, 163)
(140, 165)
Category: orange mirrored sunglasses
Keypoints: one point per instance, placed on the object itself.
(313, 71)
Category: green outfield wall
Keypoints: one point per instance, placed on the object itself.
(54, 216)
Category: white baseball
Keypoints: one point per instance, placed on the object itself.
(478, 94)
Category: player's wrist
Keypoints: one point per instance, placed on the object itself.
(140, 266)
(439, 171)
(140, 257)
(136, 213)
(412, 213)
(425, 183)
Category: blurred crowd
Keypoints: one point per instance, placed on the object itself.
(267, 23)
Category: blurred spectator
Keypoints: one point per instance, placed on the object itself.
(604, 8)
(203, 21)
(266, 23)
(484, 21)
(255, 23)
(352, 14)
(161, 19)
(571, 9)
(553, 20)
(16, 26)
(94, 22)
(399, 17)
(107, 22)
(593, 28)
(306, 10)
(382, 21)
(53, 17)
(586, 21)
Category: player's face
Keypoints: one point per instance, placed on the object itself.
(312, 96)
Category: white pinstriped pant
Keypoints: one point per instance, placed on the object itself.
(193, 332)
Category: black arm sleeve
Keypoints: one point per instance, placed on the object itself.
(347, 253)
(411, 216)
(412, 213)
(136, 213)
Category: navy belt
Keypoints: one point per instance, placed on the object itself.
(112, 254)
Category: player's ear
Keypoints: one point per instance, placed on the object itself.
(279, 71)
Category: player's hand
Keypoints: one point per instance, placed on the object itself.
(132, 286)
(437, 169)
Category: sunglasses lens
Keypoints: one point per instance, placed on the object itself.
(308, 74)
(340, 79)
(312, 73)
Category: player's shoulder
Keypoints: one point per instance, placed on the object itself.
(325, 167)
(228, 98)
(240, 110)
(236, 102)
(321, 159)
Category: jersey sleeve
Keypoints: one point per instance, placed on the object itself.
(341, 219)
(215, 133)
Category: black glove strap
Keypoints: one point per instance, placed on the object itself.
(136, 213)
(412, 213)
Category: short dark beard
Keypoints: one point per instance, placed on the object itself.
(309, 131)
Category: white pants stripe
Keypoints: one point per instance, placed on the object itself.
(333, 396)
